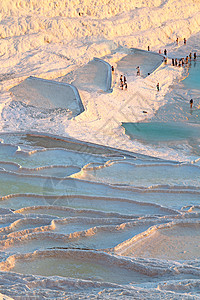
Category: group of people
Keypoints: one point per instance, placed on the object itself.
(184, 41)
(165, 52)
(123, 82)
(182, 61)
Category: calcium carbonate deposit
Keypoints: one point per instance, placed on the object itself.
(99, 176)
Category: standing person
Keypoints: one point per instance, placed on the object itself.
(138, 71)
(176, 62)
(112, 69)
(195, 55)
(165, 52)
(184, 40)
(121, 78)
(172, 61)
(124, 79)
(177, 41)
(190, 55)
(158, 87)
(191, 103)
(148, 48)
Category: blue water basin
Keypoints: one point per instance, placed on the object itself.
(161, 131)
(192, 81)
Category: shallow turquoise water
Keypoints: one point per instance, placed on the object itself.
(193, 80)
(161, 131)
(174, 122)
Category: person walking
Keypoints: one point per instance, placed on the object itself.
(172, 61)
(158, 86)
(165, 52)
(191, 103)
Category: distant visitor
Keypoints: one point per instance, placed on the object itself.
(191, 103)
(138, 71)
(158, 86)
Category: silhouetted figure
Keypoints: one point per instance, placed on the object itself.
(121, 78)
(184, 40)
(195, 55)
(176, 62)
(177, 41)
(158, 87)
(124, 79)
(190, 55)
(138, 71)
(148, 48)
(112, 69)
(191, 103)
(165, 52)
(172, 61)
